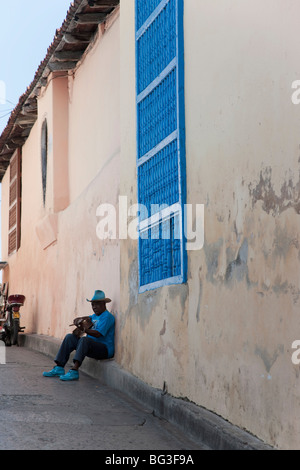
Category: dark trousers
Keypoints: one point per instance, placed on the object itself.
(85, 347)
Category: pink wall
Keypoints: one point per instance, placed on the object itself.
(61, 261)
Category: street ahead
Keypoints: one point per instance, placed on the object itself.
(38, 413)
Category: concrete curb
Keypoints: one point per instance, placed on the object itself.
(199, 424)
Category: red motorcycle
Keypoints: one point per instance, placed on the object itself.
(11, 326)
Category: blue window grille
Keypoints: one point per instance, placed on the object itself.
(160, 142)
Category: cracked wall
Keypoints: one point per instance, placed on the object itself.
(223, 339)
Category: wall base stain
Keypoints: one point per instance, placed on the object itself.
(238, 268)
(267, 358)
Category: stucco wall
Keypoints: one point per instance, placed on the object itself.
(223, 339)
(95, 109)
(61, 261)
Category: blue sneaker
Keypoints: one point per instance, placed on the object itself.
(57, 371)
(71, 375)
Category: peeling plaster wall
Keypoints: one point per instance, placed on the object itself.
(223, 340)
(57, 273)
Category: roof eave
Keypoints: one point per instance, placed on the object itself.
(67, 48)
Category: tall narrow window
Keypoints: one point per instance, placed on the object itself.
(14, 223)
(44, 150)
(160, 142)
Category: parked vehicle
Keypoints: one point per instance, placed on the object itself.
(11, 320)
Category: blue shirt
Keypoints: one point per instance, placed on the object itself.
(105, 324)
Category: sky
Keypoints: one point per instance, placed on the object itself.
(27, 29)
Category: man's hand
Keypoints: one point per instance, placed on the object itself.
(83, 323)
(77, 321)
(86, 324)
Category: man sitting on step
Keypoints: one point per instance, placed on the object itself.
(98, 342)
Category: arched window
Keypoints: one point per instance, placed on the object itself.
(44, 149)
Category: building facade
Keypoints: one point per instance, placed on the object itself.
(68, 168)
(185, 112)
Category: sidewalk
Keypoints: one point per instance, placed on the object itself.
(39, 413)
(203, 429)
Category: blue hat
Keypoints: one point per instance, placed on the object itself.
(99, 295)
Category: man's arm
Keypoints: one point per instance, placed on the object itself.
(90, 332)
